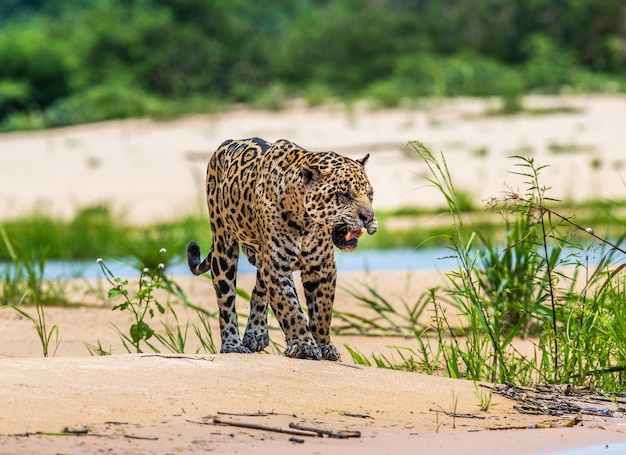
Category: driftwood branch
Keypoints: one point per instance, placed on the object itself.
(331, 434)
(256, 426)
(294, 429)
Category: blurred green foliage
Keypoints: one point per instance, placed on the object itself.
(73, 61)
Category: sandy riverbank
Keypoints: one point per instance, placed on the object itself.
(161, 404)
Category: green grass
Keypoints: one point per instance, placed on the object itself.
(536, 282)
(49, 344)
(95, 231)
(153, 299)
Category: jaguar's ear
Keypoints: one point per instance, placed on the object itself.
(363, 160)
(309, 173)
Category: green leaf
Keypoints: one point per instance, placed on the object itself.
(114, 292)
(140, 331)
(143, 294)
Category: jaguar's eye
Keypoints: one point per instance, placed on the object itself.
(345, 198)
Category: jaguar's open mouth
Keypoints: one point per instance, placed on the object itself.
(346, 239)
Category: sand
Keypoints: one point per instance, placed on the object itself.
(141, 403)
(155, 170)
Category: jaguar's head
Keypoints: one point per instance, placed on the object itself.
(339, 195)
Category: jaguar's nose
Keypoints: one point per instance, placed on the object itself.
(366, 216)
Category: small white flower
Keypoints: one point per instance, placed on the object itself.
(161, 266)
(99, 260)
(146, 280)
(162, 251)
(146, 270)
(589, 230)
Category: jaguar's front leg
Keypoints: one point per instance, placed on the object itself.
(292, 320)
(319, 290)
(256, 338)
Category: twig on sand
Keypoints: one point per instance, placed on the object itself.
(577, 419)
(144, 438)
(356, 414)
(256, 426)
(207, 358)
(294, 429)
(459, 415)
(253, 414)
(78, 433)
(75, 431)
(331, 434)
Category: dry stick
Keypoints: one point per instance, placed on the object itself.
(55, 433)
(143, 438)
(208, 358)
(255, 414)
(76, 431)
(535, 426)
(330, 434)
(356, 414)
(58, 433)
(256, 426)
(457, 414)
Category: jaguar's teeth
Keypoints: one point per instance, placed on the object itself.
(353, 235)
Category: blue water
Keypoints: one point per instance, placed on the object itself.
(358, 261)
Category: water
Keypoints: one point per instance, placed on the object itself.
(358, 261)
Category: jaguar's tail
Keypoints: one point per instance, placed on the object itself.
(194, 260)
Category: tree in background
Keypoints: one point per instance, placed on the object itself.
(72, 61)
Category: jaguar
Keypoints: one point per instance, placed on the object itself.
(286, 208)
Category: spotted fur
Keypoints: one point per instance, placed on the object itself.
(286, 207)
